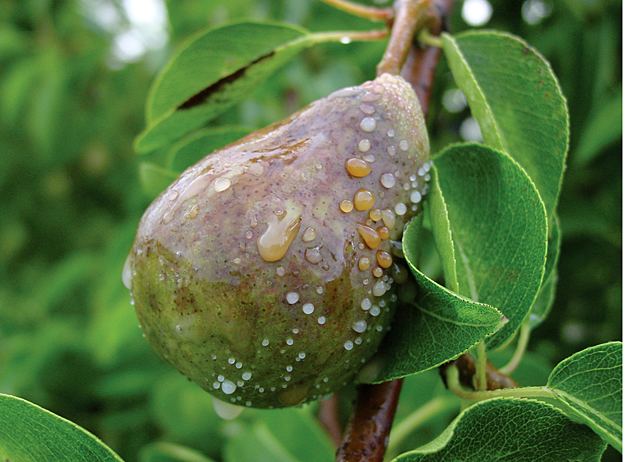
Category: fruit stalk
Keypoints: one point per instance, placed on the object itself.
(410, 16)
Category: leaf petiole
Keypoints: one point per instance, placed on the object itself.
(524, 337)
(453, 383)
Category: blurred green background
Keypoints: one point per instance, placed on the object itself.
(74, 76)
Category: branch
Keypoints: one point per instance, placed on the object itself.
(495, 379)
(367, 433)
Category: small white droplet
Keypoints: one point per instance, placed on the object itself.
(364, 145)
(321, 320)
(369, 158)
(239, 365)
(301, 355)
(319, 290)
(246, 375)
(231, 360)
(308, 308)
(348, 345)
(265, 342)
(375, 311)
(216, 385)
(387, 180)
(379, 289)
(358, 340)
(220, 378)
(390, 133)
(400, 209)
(346, 40)
(365, 304)
(403, 145)
(292, 298)
(289, 368)
(415, 197)
(280, 271)
(367, 124)
(289, 341)
(221, 184)
(228, 387)
(360, 326)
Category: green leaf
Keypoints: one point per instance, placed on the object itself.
(546, 295)
(211, 72)
(511, 430)
(154, 178)
(516, 99)
(436, 327)
(197, 145)
(209, 57)
(495, 232)
(170, 452)
(285, 435)
(31, 433)
(590, 383)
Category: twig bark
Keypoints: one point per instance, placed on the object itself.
(367, 433)
(366, 436)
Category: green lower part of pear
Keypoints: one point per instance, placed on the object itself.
(241, 345)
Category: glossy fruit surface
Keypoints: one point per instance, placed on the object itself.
(265, 273)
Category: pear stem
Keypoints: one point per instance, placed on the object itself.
(410, 16)
(362, 11)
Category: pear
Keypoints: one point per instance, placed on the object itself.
(265, 272)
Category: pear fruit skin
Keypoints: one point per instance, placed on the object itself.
(265, 272)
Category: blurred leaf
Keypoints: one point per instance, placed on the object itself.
(603, 128)
(516, 99)
(199, 144)
(281, 435)
(31, 433)
(16, 89)
(505, 429)
(154, 178)
(437, 327)
(184, 413)
(591, 384)
(495, 235)
(169, 452)
(211, 72)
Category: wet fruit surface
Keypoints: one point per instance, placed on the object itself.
(265, 272)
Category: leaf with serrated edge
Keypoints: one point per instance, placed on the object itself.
(31, 433)
(591, 383)
(517, 101)
(546, 295)
(437, 327)
(498, 230)
(511, 430)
